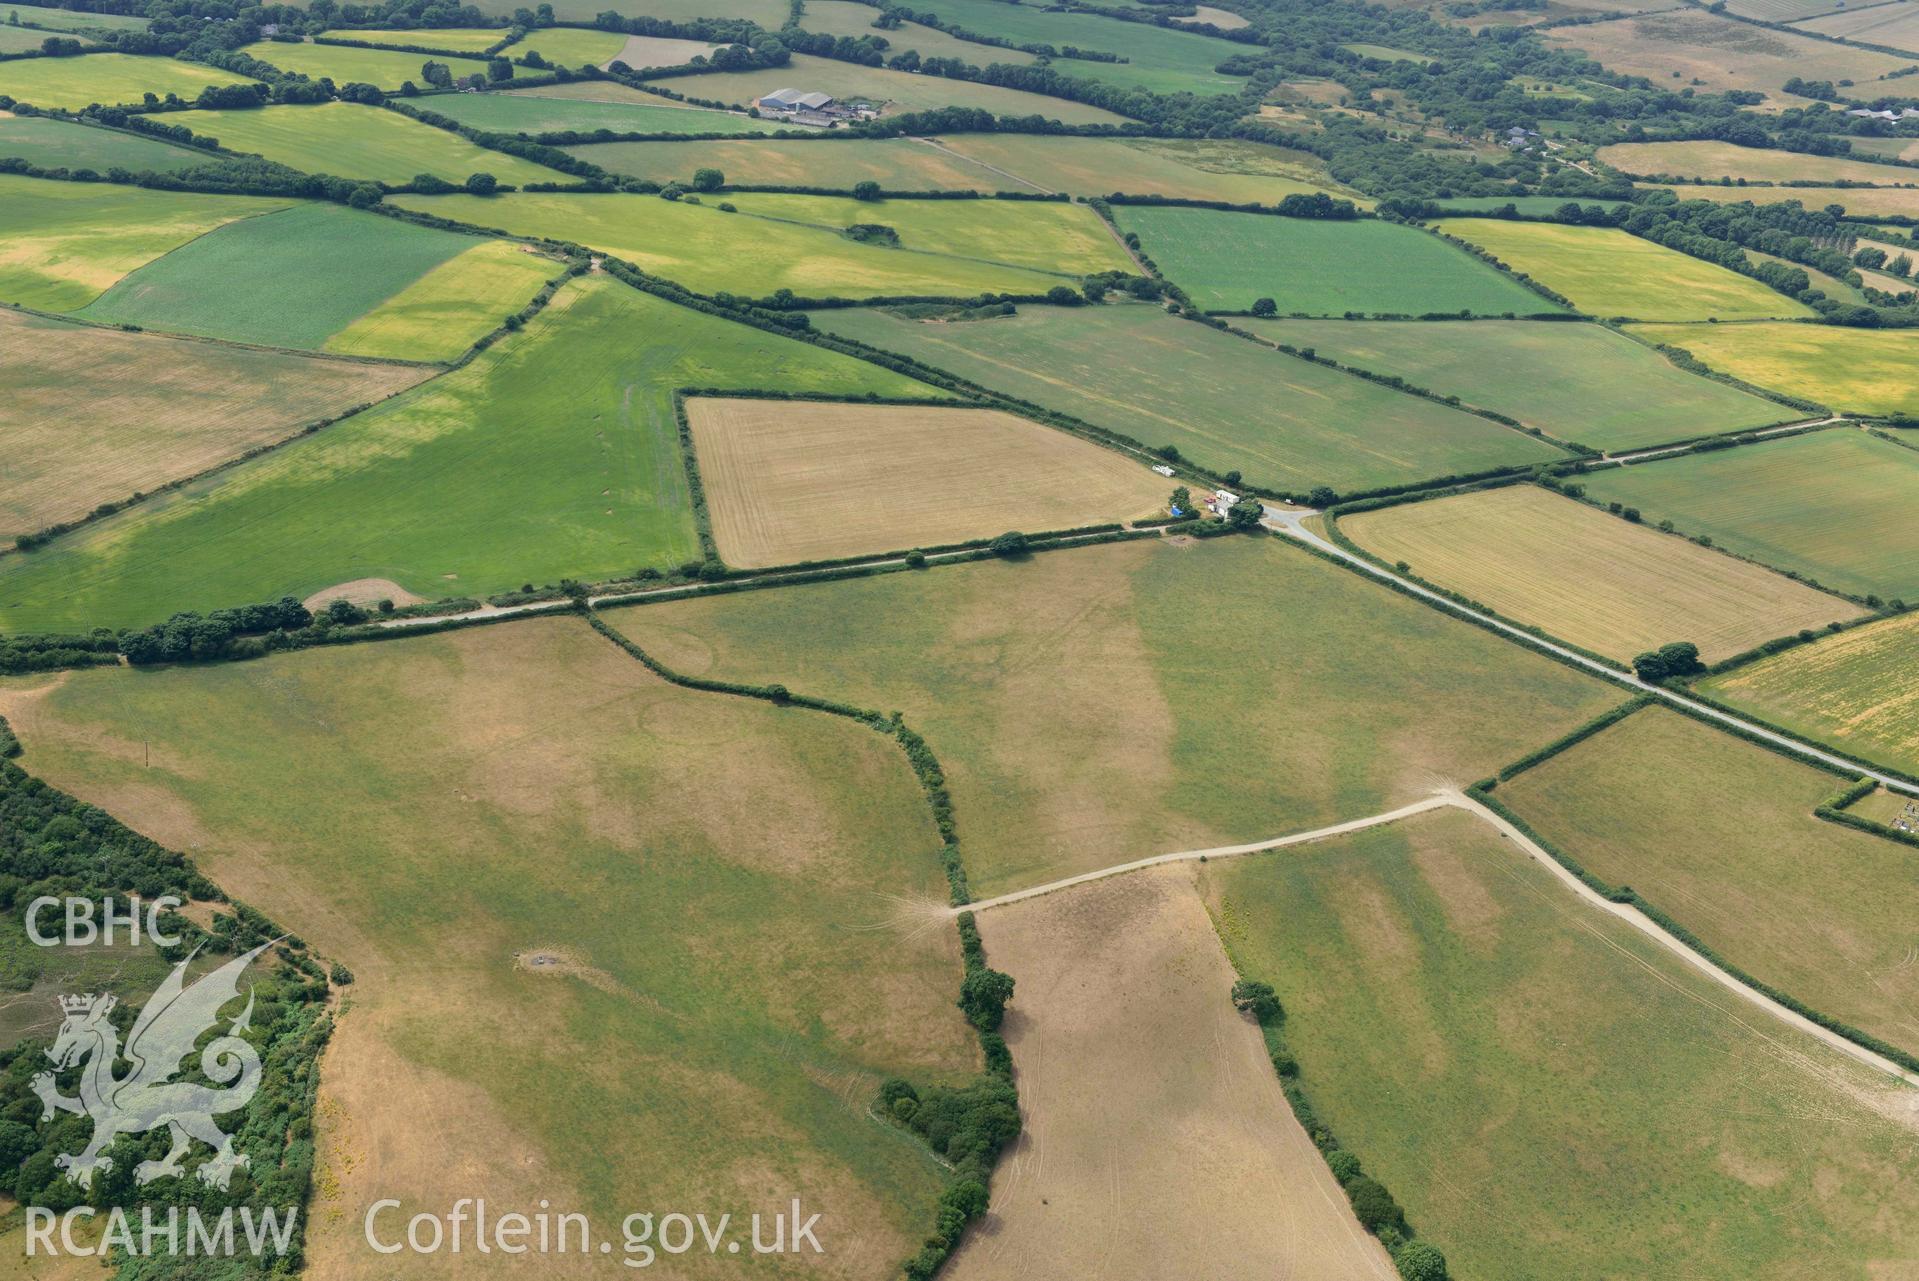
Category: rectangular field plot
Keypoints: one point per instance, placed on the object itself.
(1153, 58)
(793, 481)
(382, 68)
(542, 856)
(89, 415)
(1709, 160)
(352, 141)
(1858, 691)
(1155, 1138)
(1865, 371)
(1588, 577)
(1691, 48)
(473, 40)
(767, 13)
(552, 454)
(1319, 267)
(640, 53)
(1225, 403)
(442, 313)
(110, 79)
(1101, 704)
(1836, 506)
(1608, 272)
(1860, 202)
(1194, 168)
(1065, 239)
(1893, 25)
(74, 19)
(24, 39)
(709, 250)
(896, 164)
(340, 263)
(1719, 833)
(586, 105)
(64, 243)
(849, 18)
(897, 91)
(61, 144)
(1575, 382)
(1548, 1092)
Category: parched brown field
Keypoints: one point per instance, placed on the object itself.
(1711, 159)
(1157, 1143)
(1675, 49)
(92, 415)
(643, 53)
(1589, 577)
(1863, 202)
(794, 480)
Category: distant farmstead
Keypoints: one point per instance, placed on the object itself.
(818, 109)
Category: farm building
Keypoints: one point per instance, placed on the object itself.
(815, 108)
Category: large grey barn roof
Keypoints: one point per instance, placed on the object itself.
(792, 98)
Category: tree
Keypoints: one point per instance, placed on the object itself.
(1245, 514)
(481, 184)
(1258, 999)
(1181, 503)
(1011, 543)
(708, 180)
(868, 190)
(364, 196)
(1680, 658)
(437, 74)
(1418, 1261)
(983, 996)
(1374, 1206)
(1265, 307)
(534, 60)
(498, 69)
(1322, 496)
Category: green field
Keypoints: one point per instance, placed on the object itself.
(849, 18)
(770, 14)
(706, 877)
(1320, 268)
(1099, 705)
(106, 78)
(879, 85)
(1608, 272)
(1225, 403)
(352, 141)
(1067, 239)
(473, 40)
(448, 309)
(61, 144)
(1195, 168)
(72, 19)
(338, 263)
(22, 39)
(1864, 371)
(384, 68)
(711, 251)
(1605, 392)
(1158, 60)
(63, 243)
(1719, 833)
(1836, 506)
(1858, 691)
(569, 46)
(1548, 1092)
(553, 454)
(897, 164)
(585, 105)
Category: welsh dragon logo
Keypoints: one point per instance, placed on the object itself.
(147, 1097)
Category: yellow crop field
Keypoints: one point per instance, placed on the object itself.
(442, 313)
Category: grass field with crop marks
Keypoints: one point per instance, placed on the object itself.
(106, 78)
(1858, 691)
(1693, 49)
(585, 105)
(61, 144)
(647, 53)
(1834, 505)
(451, 307)
(64, 243)
(793, 481)
(903, 91)
(472, 40)
(1225, 403)
(338, 264)
(850, 18)
(538, 858)
(1709, 159)
(383, 68)
(1608, 272)
(1589, 577)
(1719, 833)
(1893, 25)
(1320, 268)
(90, 415)
(1866, 371)
(1158, 60)
(1548, 1092)
(1193, 168)
(1066, 239)
(353, 141)
(897, 164)
(1604, 392)
(711, 251)
(1096, 705)
(554, 453)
